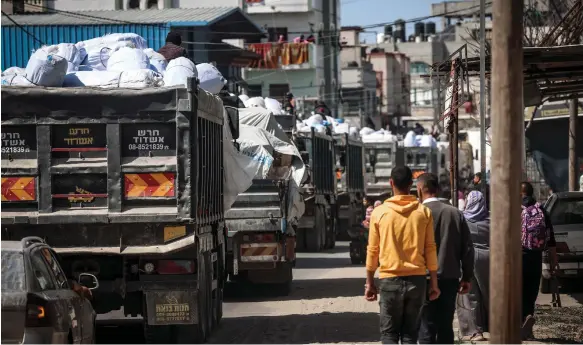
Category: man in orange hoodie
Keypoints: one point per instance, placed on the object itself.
(401, 241)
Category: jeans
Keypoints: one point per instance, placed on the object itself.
(531, 274)
(401, 299)
(437, 316)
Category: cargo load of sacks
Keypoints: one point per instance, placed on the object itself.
(321, 122)
(115, 60)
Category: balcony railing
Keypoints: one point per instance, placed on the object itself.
(283, 55)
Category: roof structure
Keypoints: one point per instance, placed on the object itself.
(175, 16)
(556, 73)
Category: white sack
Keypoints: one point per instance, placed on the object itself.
(410, 139)
(178, 71)
(98, 55)
(210, 78)
(72, 54)
(128, 59)
(46, 68)
(427, 141)
(366, 131)
(314, 120)
(15, 80)
(14, 71)
(109, 79)
(255, 102)
(158, 62)
(244, 99)
(273, 105)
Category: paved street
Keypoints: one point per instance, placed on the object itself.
(325, 306)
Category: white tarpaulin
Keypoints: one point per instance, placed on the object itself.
(262, 118)
(260, 144)
(239, 169)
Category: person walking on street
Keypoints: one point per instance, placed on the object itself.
(402, 246)
(455, 259)
(473, 312)
(537, 236)
(481, 185)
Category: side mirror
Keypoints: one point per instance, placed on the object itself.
(89, 281)
(233, 121)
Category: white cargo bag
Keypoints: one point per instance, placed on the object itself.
(210, 78)
(72, 54)
(274, 106)
(178, 71)
(15, 80)
(46, 68)
(109, 79)
(158, 62)
(128, 59)
(14, 71)
(255, 102)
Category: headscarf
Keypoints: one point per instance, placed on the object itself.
(174, 37)
(475, 209)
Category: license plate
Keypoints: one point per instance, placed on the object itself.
(570, 272)
(171, 307)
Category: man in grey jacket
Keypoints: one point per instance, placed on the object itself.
(455, 254)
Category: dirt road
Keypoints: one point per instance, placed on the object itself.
(326, 306)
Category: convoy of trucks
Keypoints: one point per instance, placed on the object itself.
(127, 185)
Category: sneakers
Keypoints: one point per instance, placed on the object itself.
(527, 327)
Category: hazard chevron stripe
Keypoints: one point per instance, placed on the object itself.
(18, 188)
(149, 185)
(258, 251)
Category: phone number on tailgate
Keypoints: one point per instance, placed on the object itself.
(15, 149)
(148, 147)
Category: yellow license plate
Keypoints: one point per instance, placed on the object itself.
(174, 232)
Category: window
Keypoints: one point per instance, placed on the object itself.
(13, 276)
(55, 268)
(255, 91)
(567, 211)
(274, 34)
(152, 4)
(41, 271)
(419, 67)
(278, 91)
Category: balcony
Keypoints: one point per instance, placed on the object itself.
(288, 56)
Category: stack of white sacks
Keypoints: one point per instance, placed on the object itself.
(114, 60)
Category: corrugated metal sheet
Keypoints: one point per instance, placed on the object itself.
(176, 16)
(17, 45)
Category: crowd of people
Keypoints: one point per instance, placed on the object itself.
(433, 259)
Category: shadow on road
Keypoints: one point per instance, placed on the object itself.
(301, 290)
(324, 263)
(299, 329)
(120, 332)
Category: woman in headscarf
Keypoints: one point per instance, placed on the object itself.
(473, 309)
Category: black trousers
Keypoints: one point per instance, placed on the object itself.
(437, 316)
(531, 274)
(401, 299)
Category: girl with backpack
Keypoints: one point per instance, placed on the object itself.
(537, 236)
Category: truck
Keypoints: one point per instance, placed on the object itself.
(380, 159)
(125, 184)
(349, 155)
(317, 227)
(261, 243)
(421, 160)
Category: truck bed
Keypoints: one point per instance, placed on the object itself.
(98, 156)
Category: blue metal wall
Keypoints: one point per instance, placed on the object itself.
(17, 45)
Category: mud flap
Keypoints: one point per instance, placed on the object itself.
(171, 307)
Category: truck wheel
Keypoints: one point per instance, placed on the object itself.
(198, 333)
(284, 289)
(218, 307)
(545, 285)
(315, 235)
(301, 239)
(331, 233)
(210, 301)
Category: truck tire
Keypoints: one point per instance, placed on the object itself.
(301, 239)
(545, 286)
(315, 235)
(331, 225)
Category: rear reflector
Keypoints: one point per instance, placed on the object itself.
(176, 267)
(22, 188)
(259, 238)
(151, 185)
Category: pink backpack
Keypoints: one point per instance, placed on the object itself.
(534, 228)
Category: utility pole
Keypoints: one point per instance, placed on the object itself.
(508, 131)
(573, 113)
(326, 40)
(482, 91)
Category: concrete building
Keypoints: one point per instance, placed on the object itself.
(359, 81)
